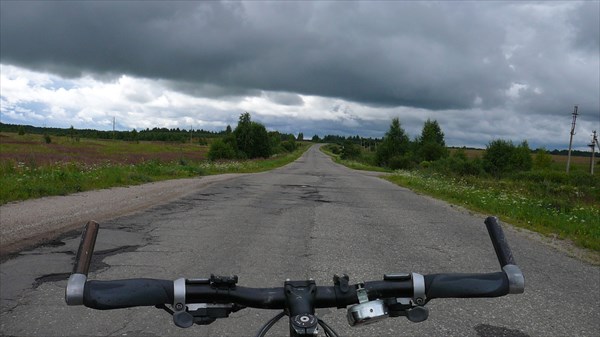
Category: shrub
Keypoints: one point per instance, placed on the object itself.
(503, 157)
(219, 149)
(542, 160)
(398, 162)
(289, 145)
(334, 148)
(350, 151)
(459, 165)
(47, 139)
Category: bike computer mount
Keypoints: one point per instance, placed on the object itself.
(185, 315)
(367, 312)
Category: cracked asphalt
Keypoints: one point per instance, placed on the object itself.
(309, 219)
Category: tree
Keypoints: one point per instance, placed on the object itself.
(228, 129)
(71, 132)
(300, 136)
(251, 138)
(134, 135)
(316, 139)
(394, 144)
(431, 145)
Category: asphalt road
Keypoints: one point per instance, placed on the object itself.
(310, 219)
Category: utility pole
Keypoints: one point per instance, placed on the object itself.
(592, 145)
(571, 140)
(114, 121)
(191, 134)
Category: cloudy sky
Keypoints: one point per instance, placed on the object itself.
(483, 70)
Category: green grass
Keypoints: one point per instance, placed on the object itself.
(24, 182)
(353, 164)
(252, 166)
(567, 214)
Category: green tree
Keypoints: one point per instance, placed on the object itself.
(71, 132)
(251, 138)
(394, 144)
(242, 133)
(300, 136)
(316, 139)
(21, 130)
(431, 145)
(228, 129)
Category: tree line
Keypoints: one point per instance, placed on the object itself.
(397, 151)
(154, 134)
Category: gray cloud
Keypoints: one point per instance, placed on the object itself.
(442, 56)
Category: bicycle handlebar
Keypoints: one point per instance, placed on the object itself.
(395, 295)
(118, 294)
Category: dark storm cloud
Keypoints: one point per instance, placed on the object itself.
(436, 56)
(489, 69)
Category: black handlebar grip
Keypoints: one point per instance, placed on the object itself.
(501, 247)
(466, 285)
(86, 248)
(119, 294)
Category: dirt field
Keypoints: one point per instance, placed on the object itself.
(32, 150)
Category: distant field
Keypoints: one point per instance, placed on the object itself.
(577, 162)
(32, 150)
(32, 168)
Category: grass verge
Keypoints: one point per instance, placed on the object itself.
(513, 203)
(353, 164)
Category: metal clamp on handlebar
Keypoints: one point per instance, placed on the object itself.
(366, 312)
(185, 315)
(516, 280)
(413, 308)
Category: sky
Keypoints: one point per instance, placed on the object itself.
(484, 70)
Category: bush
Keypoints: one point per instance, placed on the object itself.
(503, 157)
(289, 145)
(542, 160)
(47, 139)
(220, 149)
(459, 165)
(350, 151)
(400, 162)
(334, 148)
